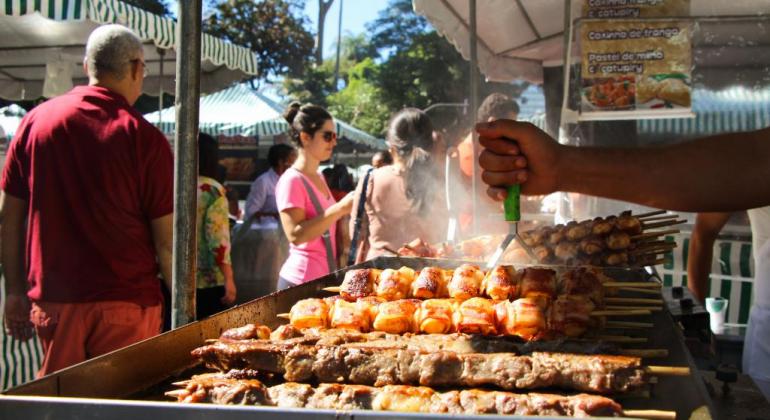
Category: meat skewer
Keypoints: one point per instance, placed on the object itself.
(375, 366)
(223, 389)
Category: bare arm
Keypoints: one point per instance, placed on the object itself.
(162, 236)
(700, 253)
(720, 173)
(13, 212)
(300, 230)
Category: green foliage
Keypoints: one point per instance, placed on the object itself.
(273, 29)
(313, 86)
(397, 25)
(360, 103)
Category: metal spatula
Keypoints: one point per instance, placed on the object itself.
(512, 209)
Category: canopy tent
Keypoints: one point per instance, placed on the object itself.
(515, 39)
(44, 42)
(241, 111)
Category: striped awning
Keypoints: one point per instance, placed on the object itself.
(729, 110)
(241, 111)
(36, 34)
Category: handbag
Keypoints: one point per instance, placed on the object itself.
(330, 259)
(354, 242)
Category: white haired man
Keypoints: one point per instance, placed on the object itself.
(90, 183)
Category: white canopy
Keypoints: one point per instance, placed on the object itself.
(516, 38)
(37, 37)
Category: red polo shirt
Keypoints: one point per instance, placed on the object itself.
(95, 173)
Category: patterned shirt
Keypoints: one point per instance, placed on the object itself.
(213, 233)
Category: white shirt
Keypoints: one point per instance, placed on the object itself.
(262, 197)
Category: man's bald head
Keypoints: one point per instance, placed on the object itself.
(110, 51)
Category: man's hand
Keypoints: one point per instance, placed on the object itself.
(518, 153)
(17, 322)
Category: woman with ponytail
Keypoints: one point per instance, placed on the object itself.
(308, 211)
(402, 201)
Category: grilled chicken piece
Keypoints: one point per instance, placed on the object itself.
(475, 316)
(501, 283)
(396, 317)
(310, 313)
(466, 282)
(435, 316)
(430, 283)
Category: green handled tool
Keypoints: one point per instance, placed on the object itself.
(512, 210)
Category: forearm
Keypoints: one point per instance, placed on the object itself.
(164, 261)
(310, 229)
(719, 173)
(699, 265)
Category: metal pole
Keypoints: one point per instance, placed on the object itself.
(339, 47)
(188, 65)
(474, 106)
(162, 55)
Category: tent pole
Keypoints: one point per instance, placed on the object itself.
(475, 148)
(162, 55)
(186, 161)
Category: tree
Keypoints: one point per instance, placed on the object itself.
(360, 103)
(313, 86)
(273, 29)
(396, 26)
(323, 9)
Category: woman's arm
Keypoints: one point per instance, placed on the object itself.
(299, 229)
(700, 253)
(217, 234)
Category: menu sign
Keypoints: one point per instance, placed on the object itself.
(635, 66)
(624, 9)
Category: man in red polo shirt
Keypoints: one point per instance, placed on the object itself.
(89, 182)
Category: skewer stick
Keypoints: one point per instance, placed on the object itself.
(648, 214)
(284, 316)
(621, 339)
(668, 370)
(176, 393)
(664, 223)
(621, 312)
(663, 260)
(663, 217)
(640, 290)
(641, 301)
(651, 414)
(181, 383)
(633, 308)
(640, 284)
(626, 324)
(644, 353)
(654, 234)
(332, 289)
(389, 249)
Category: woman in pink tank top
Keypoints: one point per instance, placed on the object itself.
(309, 213)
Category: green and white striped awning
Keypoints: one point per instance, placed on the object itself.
(35, 33)
(241, 111)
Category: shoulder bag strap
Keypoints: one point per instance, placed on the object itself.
(330, 259)
(357, 222)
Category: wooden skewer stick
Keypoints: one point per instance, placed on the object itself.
(641, 301)
(648, 214)
(655, 262)
(621, 339)
(663, 217)
(661, 249)
(284, 316)
(654, 234)
(640, 290)
(632, 308)
(624, 284)
(389, 249)
(644, 353)
(650, 414)
(668, 370)
(333, 289)
(621, 312)
(626, 324)
(181, 383)
(662, 224)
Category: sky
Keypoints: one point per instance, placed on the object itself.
(355, 15)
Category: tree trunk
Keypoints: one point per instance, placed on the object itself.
(323, 8)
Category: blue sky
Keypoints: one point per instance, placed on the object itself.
(355, 15)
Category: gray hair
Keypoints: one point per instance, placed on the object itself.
(110, 49)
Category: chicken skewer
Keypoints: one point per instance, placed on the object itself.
(220, 388)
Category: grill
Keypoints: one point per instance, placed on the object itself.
(128, 383)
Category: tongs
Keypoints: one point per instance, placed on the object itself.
(512, 210)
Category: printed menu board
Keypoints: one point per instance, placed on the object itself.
(635, 67)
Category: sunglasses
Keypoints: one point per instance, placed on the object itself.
(329, 136)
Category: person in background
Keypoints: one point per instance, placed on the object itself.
(260, 202)
(308, 212)
(340, 181)
(680, 177)
(403, 201)
(382, 158)
(215, 286)
(89, 182)
(233, 210)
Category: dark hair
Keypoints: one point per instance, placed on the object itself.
(278, 153)
(410, 133)
(385, 157)
(208, 156)
(497, 106)
(340, 178)
(308, 118)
